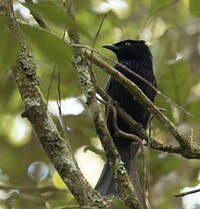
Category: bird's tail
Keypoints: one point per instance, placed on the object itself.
(106, 184)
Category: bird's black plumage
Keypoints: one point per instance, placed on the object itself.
(137, 57)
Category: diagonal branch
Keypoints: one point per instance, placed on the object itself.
(139, 96)
(139, 129)
(186, 193)
(53, 144)
(167, 99)
(37, 17)
(187, 149)
(32, 189)
(86, 81)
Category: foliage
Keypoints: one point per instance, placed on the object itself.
(173, 29)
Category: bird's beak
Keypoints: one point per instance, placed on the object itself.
(112, 47)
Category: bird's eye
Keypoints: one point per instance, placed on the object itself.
(127, 43)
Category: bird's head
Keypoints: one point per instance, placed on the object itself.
(130, 49)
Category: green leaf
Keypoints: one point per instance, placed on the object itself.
(175, 82)
(9, 46)
(160, 102)
(54, 13)
(69, 85)
(51, 46)
(164, 161)
(51, 11)
(82, 129)
(193, 108)
(195, 7)
(157, 5)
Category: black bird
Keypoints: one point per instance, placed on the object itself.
(136, 56)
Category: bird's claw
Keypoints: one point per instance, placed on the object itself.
(116, 103)
(139, 126)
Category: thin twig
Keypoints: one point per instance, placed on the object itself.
(50, 85)
(93, 45)
(137, 186)
(139, 130)
(148, 183)
(96, 36)
(118, 131)
(60, 117)
(58, 96)
(186, 193)
(150, 122)
(32, 189)
(144, 171)
(135, 138)
(141, 97)
(75, 206)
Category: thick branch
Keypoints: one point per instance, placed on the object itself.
(187, 153)
(85, 77)
(138, 128)
(54, 145)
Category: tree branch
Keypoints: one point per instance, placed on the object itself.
(86, 81)
(187, 193)
(33, 189)
(139, 129)
(194, 149)
(189, 149)
(37, 17)
(54, 145)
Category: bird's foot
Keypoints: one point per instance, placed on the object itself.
(116, 103)
(138, 126)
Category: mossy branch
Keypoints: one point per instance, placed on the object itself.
(88, 86)
(194, 149)
(188, 149)
(53, 144)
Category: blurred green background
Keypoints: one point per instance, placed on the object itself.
(171, 28)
